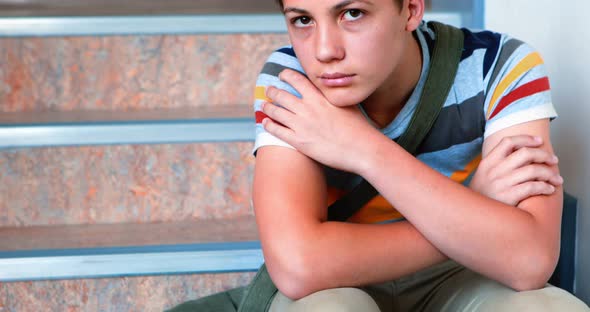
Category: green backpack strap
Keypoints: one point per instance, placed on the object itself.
(445, 60)
(446, 56)
(259, 293)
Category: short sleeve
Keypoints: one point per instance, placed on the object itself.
(519, 88)
(280, 59)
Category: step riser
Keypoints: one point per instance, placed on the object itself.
(153, 293)
(125, 184)
(131, 72)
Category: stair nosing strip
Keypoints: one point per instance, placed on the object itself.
(112, 250)
(244, 257)
(141, 25)
(143, 132)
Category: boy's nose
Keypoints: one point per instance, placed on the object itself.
(328, 45)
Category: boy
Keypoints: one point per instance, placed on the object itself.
(365, 63)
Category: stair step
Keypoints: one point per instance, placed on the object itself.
(220, 23)
(154, 293)
(140, 25)
(115, 250)
(133, 7)
(76, 128)
(99, 17)
(125, 183)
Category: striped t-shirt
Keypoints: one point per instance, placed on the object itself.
(501, 82)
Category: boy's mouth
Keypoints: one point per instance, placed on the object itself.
(336, 79)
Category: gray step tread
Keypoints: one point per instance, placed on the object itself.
(133, 7)
(122, 235)
(91, 251)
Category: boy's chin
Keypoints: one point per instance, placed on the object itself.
(343, 97)
(344, 104)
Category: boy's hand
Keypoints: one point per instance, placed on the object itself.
(326, 133)
(516, 169)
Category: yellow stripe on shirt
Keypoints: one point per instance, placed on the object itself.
(260, 94)
(376, 210)
(529, 62)
(461, 175)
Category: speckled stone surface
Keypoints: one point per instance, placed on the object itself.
(131, 72)
(113, 184)
(152, 293)
(127, 183)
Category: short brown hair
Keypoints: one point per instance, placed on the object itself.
(400, 3)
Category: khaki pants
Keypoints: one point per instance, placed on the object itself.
(447, 287)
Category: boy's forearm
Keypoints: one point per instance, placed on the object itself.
(351, 255)
(305, 253)
(485, 235)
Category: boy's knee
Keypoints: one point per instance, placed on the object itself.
(548, 299)
(331, 300)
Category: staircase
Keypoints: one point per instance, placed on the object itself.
(125, 157)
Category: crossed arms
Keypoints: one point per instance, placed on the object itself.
(512, 238)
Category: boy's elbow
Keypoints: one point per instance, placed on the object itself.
(526, 283)
(293, 275)
(535, 272)
(294, 289)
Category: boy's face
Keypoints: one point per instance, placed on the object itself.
(349, 48)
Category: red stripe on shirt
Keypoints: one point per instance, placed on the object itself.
(260, 116)
(525, 90)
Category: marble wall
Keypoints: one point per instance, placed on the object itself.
(129, 294)
(130, 72)
(146, 183)
(128, 183)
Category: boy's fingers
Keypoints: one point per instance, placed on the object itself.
(299, 82)
(282, 98)
(509, 144)
(556, 180)
(540, 173)
(532, 188)
(525, 156)
(504, 148)
(276, 113)
(277, 130)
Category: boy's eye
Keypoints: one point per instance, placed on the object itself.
(352, 14)
(301, 21)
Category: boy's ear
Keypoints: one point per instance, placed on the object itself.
(415, 9)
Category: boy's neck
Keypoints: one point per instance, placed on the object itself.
(387, 101)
